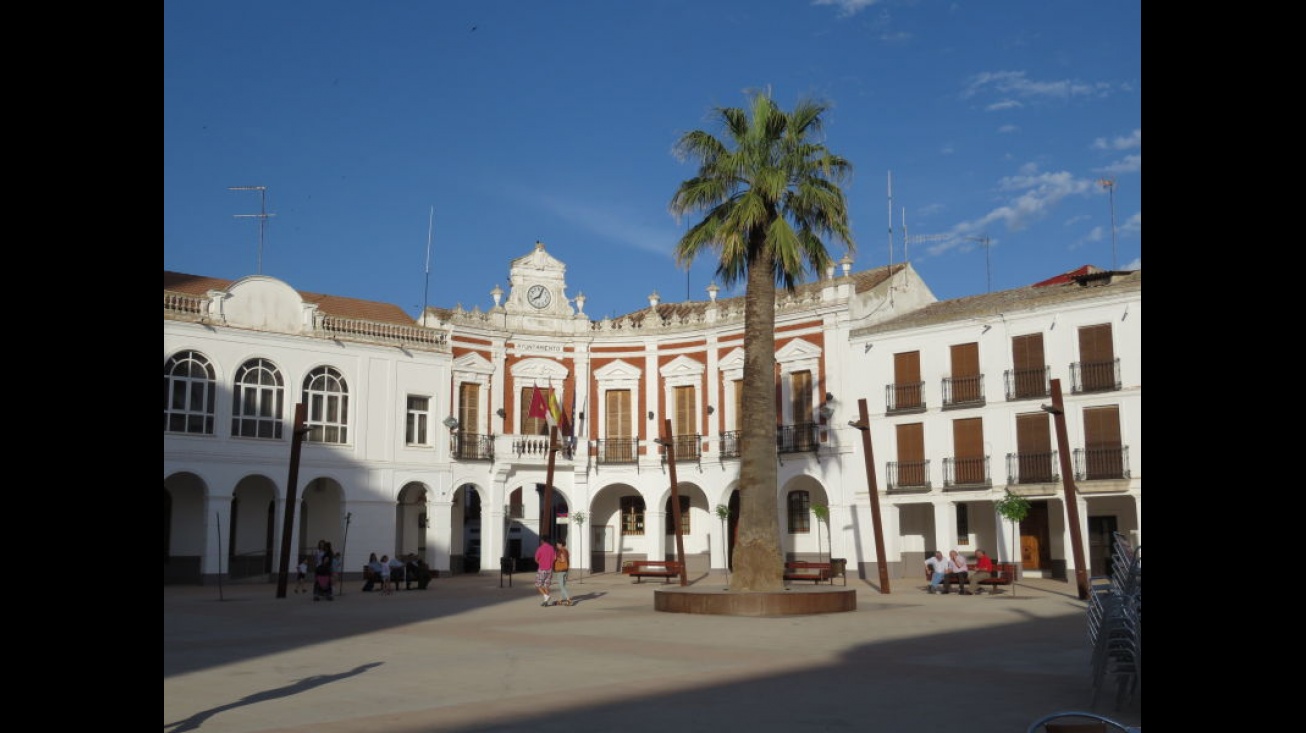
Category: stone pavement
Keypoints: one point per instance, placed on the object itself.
(469, 655)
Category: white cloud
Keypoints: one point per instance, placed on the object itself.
(847, 7)
(1127, 164)
(1133, 225)
(1009, 84)
(1008, 129)
(1133, 140)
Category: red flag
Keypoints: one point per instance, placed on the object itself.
(538, 407)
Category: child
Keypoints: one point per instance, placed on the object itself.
(300, 575)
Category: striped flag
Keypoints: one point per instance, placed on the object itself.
(557, 416)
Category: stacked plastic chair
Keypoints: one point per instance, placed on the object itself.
(1115, 624)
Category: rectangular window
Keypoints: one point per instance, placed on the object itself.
(532, 425)
(1035, 462)
(1097, 358)
(1029, 370)
(800, 512)
(963, 525)
(419, 416)
(469, 408)
(1103, 452)
(617, 443)
(632, 515)
(965, 373)
(800, 398)
(968, 451)
(683, 412)
(911, 454)
(907, 381)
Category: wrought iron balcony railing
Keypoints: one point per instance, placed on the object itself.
(688, 448)
(1027, 384)
(729, 444)
(1095, 376)
(617, 450)
(963, 391)
(904, 397)
(908, 476)
(1033, 468)
(471, 446)
(1102, 464)
(799, 438)
(966, 473)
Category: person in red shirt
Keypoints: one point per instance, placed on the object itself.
(544, 556)
(983, 569)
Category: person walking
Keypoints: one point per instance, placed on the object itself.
(322, 581)
(561, 564)
(544, 557)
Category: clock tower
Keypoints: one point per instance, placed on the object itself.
(538, 286)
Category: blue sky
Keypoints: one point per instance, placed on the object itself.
(525, 121)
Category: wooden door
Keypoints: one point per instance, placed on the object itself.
(1029, 552)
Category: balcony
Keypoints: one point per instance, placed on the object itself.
(729, 444)
(908, 476)
(688, 448)
(1027, 384)
(963, 392)
(799, 438)
(1102, 464)
(1095, 376)
(524, 446)
(962, 474)
(471, 446)
(904, 398)
(617, 450)
(1033, 468)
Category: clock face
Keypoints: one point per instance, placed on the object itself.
(538, 296)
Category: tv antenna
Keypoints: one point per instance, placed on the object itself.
(1110, 185)
(983, 241)
(262, 216)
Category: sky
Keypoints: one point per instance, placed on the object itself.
(410, 150)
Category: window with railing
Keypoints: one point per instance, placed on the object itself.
(189, 392)
(1029, 375)
(965, 387)
(907, 393)
(617, 450)
(1102, 464)
(1098, 368)
(908, 476)
(911, 470)
(1103, 455)
(730, 444)
(257, 401)
(800, 438)
(466, 446)
(632, 515)
(966, 472)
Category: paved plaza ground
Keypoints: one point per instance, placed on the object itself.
(473, 653)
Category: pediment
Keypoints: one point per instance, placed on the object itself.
(681, 366)
(473, 362)
(266, 304)
(539, 369)
(617, 370)
(796, 350)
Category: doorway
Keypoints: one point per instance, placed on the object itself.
(1101, 545)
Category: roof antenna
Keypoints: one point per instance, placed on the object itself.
(262, 216)
(426, 289)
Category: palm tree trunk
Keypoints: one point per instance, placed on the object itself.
(758, 561)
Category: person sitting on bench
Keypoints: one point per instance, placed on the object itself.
(956, 570)
(983, 569)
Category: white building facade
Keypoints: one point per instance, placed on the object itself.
(419, 438)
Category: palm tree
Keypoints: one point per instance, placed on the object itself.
(768, 192)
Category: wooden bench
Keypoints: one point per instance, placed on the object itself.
(817, 572)
(1004, 573)
(640, 569)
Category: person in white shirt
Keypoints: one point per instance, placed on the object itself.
(956, 569)
(936, 566)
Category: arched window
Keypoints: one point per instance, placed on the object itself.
(632, 515)
(327, 397)
(257, 401)
(800, 512)
(189, 389)
(684, 516)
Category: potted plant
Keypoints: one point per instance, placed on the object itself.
(579, 519)
(822, 513)
(723, 513)
(1014, 508)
